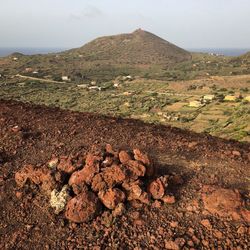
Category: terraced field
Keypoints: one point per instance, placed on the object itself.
(152, 101)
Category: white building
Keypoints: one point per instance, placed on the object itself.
(65, 78)
(208, 97)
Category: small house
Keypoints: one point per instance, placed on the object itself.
(208, 98)
(195, 104)
(247, 98)
(230, 98)
(65, 78)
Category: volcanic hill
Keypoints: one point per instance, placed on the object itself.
(139, 47)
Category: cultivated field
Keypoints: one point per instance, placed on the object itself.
(153, 101)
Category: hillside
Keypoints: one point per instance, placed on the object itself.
(139, 47)
(139, 53)
(207, 205)
(246, 56)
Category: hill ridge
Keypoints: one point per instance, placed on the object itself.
(138, 47)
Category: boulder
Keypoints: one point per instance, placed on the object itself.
(83, 208)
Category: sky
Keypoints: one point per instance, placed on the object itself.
(72, 23)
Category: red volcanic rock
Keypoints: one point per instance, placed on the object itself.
(98, 183)
(85, 175)
(136, 169)
(83, 208)
(23, 175)
(224, 202)
(124, 157)
(112, 197)
(245, 215)
(169, 199)
(41, 176)
(65, 165)
(134, 189)
(135, 192)
(93, 160)
(139, 156)
(110, 177)
(79, 188)
(156, 189)
(45, 179)
(110, 150)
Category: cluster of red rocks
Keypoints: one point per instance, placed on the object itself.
(104, 177)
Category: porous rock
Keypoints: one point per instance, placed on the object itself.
(110, 177)
(139, 156)
(83, 208)
(65, 165)
(156, 189)
(41, 176)
(112, 197)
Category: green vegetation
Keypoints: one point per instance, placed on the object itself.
(137, 75)
(149, 100)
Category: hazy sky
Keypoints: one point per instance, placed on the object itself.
(71, 23)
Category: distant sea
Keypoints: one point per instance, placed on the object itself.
(222, 51)
(32, 51)
(29, 51)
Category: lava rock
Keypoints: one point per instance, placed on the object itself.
(112, 197)
(156, 189)
(83, 208)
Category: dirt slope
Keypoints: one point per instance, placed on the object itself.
(32, 134)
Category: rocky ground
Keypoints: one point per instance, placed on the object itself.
(204, 202)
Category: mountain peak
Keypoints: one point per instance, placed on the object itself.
(139, 31)
(138, 47)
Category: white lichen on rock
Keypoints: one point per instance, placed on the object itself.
(58, 200)
(53, 163)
